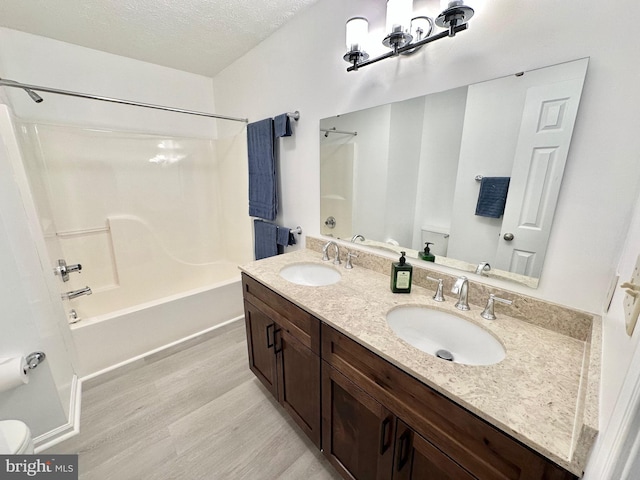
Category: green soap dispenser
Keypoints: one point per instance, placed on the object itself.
(427, 255)
(401, 273)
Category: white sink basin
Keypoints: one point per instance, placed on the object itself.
(310, 274)
(442, 335)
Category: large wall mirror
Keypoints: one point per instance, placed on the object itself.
(475, 170)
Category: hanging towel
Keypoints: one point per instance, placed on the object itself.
(285, 237)
(263, 194)
(282, 126)
(265, 239)
(492, 196)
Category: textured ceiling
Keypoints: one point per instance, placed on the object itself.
(199, 36)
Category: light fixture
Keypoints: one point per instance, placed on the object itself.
(405, 35)
(357, 31)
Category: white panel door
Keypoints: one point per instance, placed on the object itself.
(541, 153)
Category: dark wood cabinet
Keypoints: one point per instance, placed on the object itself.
(373, 420)
(283, 352)
(299, 383)
(357, 431)
(416, 458)
(260, 341)
(478, 447)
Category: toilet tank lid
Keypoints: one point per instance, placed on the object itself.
(15, 433)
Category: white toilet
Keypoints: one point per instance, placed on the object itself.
(15, 438)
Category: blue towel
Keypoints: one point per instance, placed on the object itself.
(285, 237)
(492, 196)
(263, 194)
(265, 239)
(282, 126)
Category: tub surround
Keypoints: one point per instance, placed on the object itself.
(544, 393)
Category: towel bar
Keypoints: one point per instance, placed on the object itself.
(295, 115)
(297, 230)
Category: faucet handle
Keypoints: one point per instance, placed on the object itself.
(350, 255)
(488, 312)
(438, 296)
(483, 269)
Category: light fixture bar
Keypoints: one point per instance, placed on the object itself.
(408, 47)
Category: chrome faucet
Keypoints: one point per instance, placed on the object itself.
(64, 270)
(76, 293)
(488, 312)
(438, 296)
(325, 252)
(461, 288)
(483, 268)
(356, 237)
(350, 255)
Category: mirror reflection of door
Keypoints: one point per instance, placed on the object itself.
(543, 144)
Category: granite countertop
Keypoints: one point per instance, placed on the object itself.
(544, 393)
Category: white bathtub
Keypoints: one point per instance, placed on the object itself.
(108, 340)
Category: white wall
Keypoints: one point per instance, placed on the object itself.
(440, 154)
(41, 61)
(405, 138)
(301, 67)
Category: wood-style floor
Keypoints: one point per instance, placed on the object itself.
(196, 413)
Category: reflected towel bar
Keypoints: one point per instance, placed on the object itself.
(294, 115)
(297, 230)
(327, 131)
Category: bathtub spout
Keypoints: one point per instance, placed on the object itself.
(76, 293)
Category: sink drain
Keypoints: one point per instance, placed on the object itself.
(445, 355)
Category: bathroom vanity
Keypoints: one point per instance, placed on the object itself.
(380, 408)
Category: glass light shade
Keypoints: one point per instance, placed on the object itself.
(444, 4)
(399, 14)
(357, 32)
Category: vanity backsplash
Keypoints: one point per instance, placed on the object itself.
(564, 320)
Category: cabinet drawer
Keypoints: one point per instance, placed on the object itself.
(297, 322)
(473, 443)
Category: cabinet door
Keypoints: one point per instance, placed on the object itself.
(299, 383)
(416, 458)
(357, 432)
(260, 342)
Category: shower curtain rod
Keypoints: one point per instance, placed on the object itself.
(27, 88)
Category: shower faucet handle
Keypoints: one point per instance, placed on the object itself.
(64, 270)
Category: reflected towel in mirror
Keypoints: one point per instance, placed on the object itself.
(492, 196)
